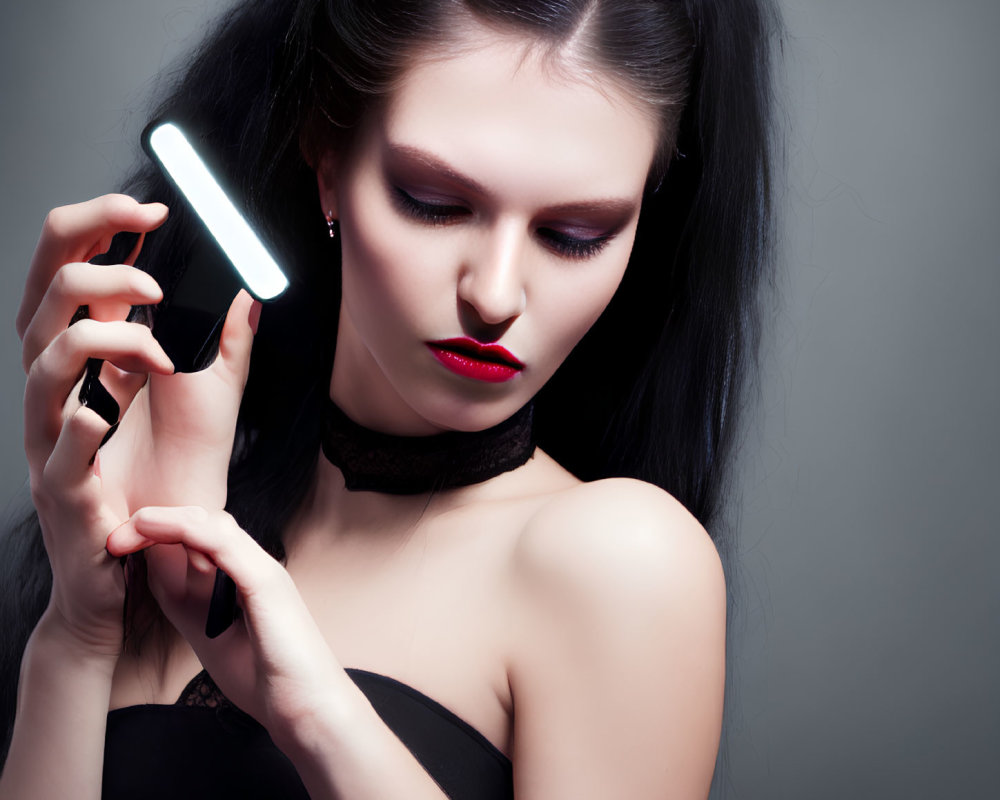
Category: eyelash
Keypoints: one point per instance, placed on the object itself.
(571, 247)
(442, 214)
(437, 214)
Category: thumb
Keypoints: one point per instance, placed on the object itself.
(237, 335)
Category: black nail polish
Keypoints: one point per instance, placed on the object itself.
(222, 606)
(109, 434)
(94, 396)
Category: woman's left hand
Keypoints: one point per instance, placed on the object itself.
(273, 662)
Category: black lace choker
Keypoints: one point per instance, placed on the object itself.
(380, 462)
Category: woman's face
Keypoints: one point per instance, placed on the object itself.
(494, 200)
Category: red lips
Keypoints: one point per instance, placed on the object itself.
(471, 359)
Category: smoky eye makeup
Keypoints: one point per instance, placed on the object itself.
(437, 212)
(579, 236)
(443, 212)
(422, 198)
(573, 247)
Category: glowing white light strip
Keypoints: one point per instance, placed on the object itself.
(258, 269)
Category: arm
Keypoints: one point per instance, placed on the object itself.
(274, 662)
(618, 666)
(347, 751)
(65, 677)
(81, 495)
(57, 749)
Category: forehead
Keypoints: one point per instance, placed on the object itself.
(509, 112)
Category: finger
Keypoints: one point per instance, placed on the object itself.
(78, 233)
(125, 540)
(108, 390)
(236, 340)
(199, 563)
(213, 534)
(129, 346)
(69, 464)
(74, 454)
(122, 385)
(261, 582)
(107, 291)
(136, 249)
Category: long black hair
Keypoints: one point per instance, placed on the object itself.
(278, 81)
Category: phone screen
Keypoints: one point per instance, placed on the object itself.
(227, 257)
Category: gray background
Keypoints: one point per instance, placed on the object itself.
(867, 656)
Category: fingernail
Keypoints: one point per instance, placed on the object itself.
(253, 319)
(110, 433)
(166, 364)
(94, 396)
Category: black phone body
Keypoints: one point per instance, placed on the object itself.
(226, 255)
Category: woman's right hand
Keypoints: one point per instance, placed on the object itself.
(75, 507)
(176, 434)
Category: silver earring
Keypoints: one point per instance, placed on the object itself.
(331, 224)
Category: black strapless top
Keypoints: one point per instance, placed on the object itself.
(205, 747)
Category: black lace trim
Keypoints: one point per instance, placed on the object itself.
(202, 692)
(380, 462)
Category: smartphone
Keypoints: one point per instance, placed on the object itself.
(188, 321)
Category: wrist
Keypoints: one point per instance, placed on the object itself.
(63, 695)
(331, 746)
(311, 730)
(55, 637)
(342, 748)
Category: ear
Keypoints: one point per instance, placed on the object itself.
(326, 179)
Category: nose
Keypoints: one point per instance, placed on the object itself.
(491, 288)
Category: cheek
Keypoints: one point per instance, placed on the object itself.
(571, 305)
(386, 275)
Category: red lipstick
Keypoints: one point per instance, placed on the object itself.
(471, 359)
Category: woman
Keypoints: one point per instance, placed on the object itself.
(486, 171)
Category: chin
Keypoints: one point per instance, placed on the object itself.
(464, 414)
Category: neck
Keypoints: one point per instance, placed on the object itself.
(379, 462)
(332, 513)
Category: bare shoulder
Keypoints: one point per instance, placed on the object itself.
(619, 534)
(617, 656)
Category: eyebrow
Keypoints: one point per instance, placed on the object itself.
(623, 206)
(433, 162)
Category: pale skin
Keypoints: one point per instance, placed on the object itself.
(579, 627)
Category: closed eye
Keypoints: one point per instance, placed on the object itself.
(424, 211)
(573, 247)
(443, 213)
